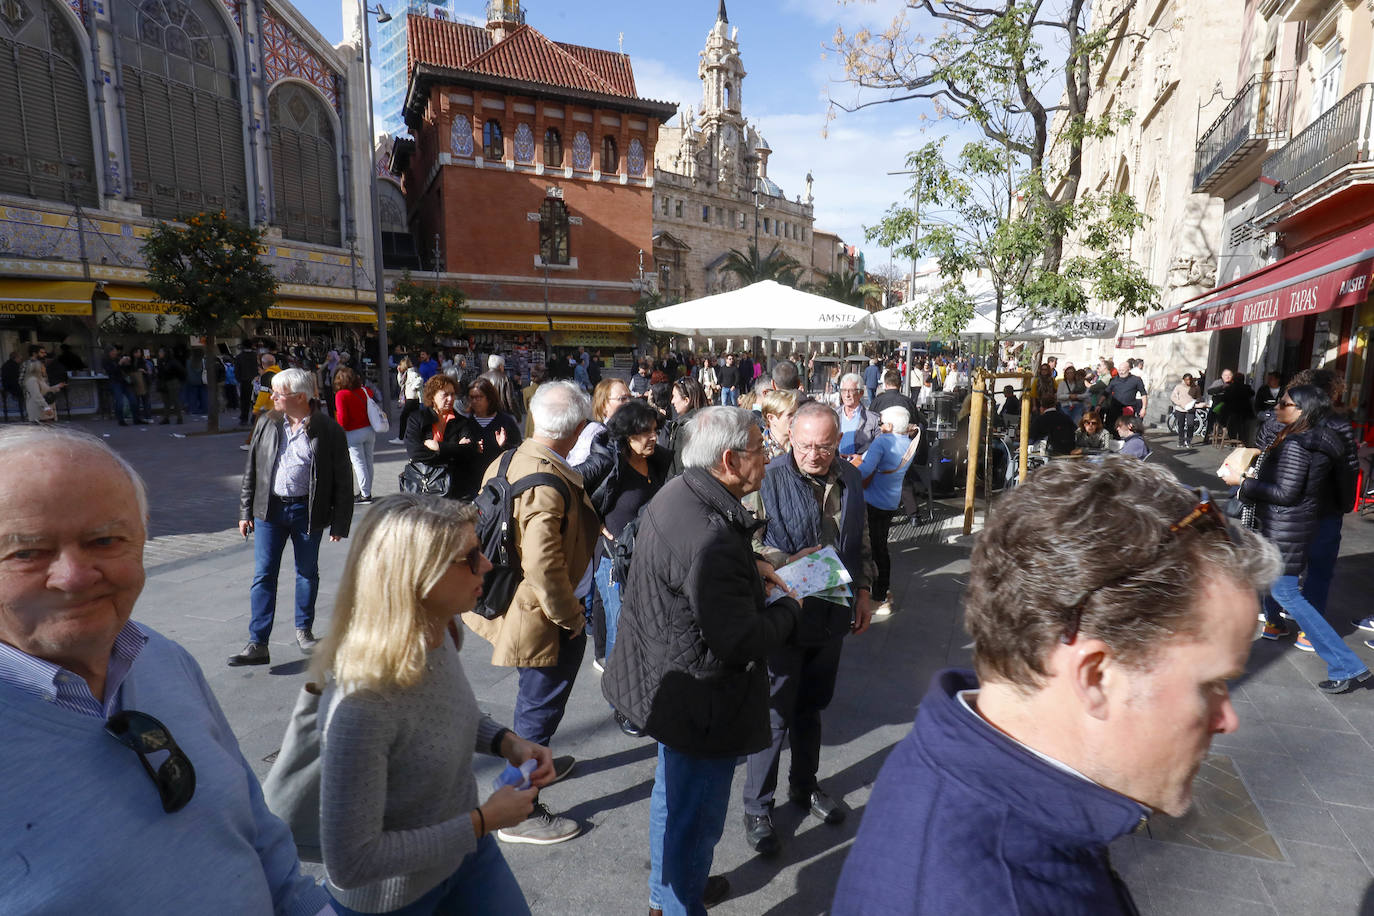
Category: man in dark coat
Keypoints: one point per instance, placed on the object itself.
(811, 498)
(1102, 668)
(688, 657)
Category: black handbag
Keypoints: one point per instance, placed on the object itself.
(429, 479)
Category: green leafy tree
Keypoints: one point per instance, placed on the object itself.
(648, 301)
(749, 268)
(847, 286)
(211, 275)
(423, 314)
(1020, 73)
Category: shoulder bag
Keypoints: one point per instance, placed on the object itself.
(422, 477)
(375, 415)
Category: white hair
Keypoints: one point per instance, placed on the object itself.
(714, 430)
(496, 361)
(295, 381)
(559, 408)
(30, 437)
(852, 377)
(897, 416)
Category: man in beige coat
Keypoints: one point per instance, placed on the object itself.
(543, 631)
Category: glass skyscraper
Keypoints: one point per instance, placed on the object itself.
(389, 57)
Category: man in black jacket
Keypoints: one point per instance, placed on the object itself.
(296, 483)
(688, 661)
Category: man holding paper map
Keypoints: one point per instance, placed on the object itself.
(817, 537)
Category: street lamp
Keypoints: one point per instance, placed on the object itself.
(383, 363)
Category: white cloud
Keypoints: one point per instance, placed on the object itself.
(656, 80)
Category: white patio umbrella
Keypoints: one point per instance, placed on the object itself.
(764, 309)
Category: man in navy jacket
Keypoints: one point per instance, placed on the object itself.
(1102, 667)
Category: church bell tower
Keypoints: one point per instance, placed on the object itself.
(722, 79)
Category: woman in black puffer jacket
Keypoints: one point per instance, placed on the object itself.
(1289, 491)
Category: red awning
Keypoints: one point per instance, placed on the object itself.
(1164, 322)
(1332, 275)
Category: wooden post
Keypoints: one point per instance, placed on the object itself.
(975, 431)
(1024, 451)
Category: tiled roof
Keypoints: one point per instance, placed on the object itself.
(526, 55)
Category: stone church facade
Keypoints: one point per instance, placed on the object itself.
(711, 185)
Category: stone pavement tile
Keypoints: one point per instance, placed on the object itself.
(1358, 826)
(1305, 823)
(1303, 706)
(1271, 776)
(1166, 900)
(1170, 865)
(1323, 744)
(1340, 782)
(1321, 880)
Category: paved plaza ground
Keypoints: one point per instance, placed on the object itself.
(1285, 817)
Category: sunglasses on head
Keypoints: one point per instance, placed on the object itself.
(175, 778)
(1202, 519)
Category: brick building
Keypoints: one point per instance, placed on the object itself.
(531, 165)
(711, 184)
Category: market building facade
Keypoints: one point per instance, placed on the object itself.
(712, 192)
(125, 114)
(1290, 160)
(530, 168)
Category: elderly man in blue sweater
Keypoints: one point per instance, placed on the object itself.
(128, 792)
(1102, 668)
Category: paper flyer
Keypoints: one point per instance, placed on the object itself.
(820, 574)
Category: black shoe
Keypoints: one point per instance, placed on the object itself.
(821, 806)
(1344, 684)
(759, 833)
(562, 766)
(717, 889)
(254, 653)
(627, 727)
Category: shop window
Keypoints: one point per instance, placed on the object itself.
(553, 231)
(493, 145)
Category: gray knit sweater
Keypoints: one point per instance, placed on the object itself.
(397, 787)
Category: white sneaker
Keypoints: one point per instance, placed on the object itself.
(245, 447)
(883, 609)
(541, 828)
(396, 441)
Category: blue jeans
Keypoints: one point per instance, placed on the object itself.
(197, 397)
(1321, 561)
(1341, 660)
(729, 397)
(542, 696)
(610, 600)
(121, 397)
(285, 522)
(482, 884)
(686, 818)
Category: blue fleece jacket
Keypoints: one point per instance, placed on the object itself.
(964, 820)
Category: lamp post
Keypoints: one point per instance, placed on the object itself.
(384, 361)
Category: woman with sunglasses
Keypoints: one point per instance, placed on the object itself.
(1289, 487)
(401, 828)
(1091, 437)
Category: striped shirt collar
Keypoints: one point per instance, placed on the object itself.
(44, 680)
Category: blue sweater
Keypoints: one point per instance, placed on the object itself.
(884, 490)
(82, 829)
(964, 820)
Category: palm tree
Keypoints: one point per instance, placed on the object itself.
(749, 268)
(847, 286)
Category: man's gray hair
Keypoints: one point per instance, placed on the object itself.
(495, 361)
(559, 408)
(898, 416)
(712, 432)
(295, 381)
(851, 377)
(29, 437)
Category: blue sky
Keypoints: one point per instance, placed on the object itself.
(785, 92)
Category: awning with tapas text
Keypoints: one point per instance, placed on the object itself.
(1334, 274)
(45, 297)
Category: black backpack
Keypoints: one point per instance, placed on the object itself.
(496, 533)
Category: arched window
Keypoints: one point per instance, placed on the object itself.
(582, 152)
(728, 98)
(493, 147)
(46, 148)
(553, 231)
(305, 180)
(182, 108)
(610, 155)
(553, 148)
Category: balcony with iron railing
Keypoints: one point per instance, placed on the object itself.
(1338, 138)
(1256, 121)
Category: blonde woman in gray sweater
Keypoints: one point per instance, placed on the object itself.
(400, 825)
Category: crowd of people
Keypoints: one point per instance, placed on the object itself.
(663, 510)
